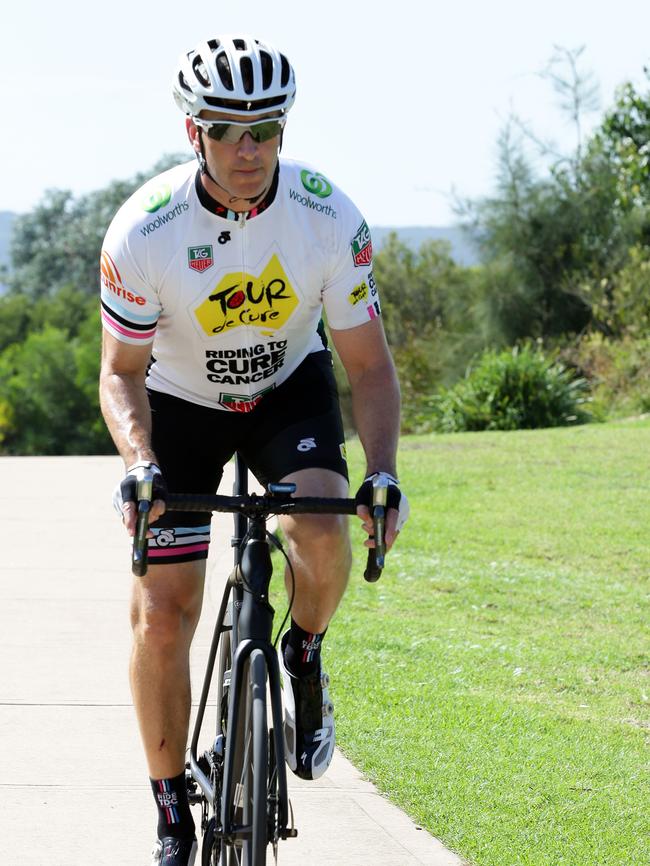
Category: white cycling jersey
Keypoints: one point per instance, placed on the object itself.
(232, 303)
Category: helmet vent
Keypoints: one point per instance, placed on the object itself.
(183, 83)
(258, 106)
(286, 71)
(198, 67)
(231, 73)
(267, 70)
(225, 73)
(246, 66)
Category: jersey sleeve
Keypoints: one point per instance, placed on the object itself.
(130, 306)
(350, 296)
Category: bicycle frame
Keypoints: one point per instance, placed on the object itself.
(252, 622)
(245, 612)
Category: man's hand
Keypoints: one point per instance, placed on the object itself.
(397, 508)
(125, 498)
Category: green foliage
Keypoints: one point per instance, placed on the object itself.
(546, 237)
(618, 372)
(59, 242)
(624, 138)
(511, 390)
(429, 308)
(44, 400)
(15, 318)
(50, 332)
(561, 240)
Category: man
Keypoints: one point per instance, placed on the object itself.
(213, 283)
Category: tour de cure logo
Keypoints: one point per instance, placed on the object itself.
(265, 301)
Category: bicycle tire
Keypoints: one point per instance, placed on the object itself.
(208, 845)
(251, 769)
(258, 775)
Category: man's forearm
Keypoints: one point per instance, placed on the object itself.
(376, 410)
(125, 407)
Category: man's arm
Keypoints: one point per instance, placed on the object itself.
(369, 366)
(125, 407)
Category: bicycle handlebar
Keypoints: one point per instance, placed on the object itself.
(253, 505)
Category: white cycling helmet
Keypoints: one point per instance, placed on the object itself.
(236, 74)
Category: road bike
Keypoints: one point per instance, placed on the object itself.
(240, 782)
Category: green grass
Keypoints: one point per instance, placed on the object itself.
(495, 683)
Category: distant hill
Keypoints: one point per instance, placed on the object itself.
(6, 221)
(463, 251)
(461, 246)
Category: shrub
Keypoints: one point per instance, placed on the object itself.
(618, 373)
(510, 390)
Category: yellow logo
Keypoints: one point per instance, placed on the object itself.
(358, 293)
(240, 299)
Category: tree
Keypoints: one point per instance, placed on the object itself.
(553, 238)
(45, 411)
(59, 242)
(429, 308)
(624, 141)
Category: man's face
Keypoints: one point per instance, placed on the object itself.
(244, 169)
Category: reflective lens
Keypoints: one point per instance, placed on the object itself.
(231, 132)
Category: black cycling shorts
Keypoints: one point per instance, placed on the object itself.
(295, 426)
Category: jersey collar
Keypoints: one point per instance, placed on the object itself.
(215, 207)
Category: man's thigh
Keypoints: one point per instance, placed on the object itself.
(312, 529)
(298, 426)
(170, 590)
(192, 444)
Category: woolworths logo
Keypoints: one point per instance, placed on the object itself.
(157, 199)
(312, 204)
(315, 183)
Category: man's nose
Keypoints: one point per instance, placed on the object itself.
(247, 146)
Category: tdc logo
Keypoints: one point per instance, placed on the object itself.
(165, 537)
(315, 183)
(306, 444)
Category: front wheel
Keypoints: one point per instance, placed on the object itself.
(253, 777)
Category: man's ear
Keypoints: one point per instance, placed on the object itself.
(193, 134)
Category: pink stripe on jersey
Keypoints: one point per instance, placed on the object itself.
(138, 335)
(172, 551)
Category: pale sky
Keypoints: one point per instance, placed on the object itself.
(398, 102)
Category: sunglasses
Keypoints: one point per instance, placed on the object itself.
(232, 131)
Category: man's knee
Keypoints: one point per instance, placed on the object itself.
(321, 541)
(165, 611)
(162, 626)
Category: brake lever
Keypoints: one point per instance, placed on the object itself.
(144, 494)
(377, 554)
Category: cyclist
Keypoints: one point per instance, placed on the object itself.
(213, 284)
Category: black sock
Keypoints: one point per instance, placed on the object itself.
(302, 650)
(174, 816)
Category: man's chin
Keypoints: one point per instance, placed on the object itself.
(252, 187)
(249, 192)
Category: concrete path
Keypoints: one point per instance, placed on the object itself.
(73, 780)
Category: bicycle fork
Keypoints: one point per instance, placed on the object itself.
(244, 652)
